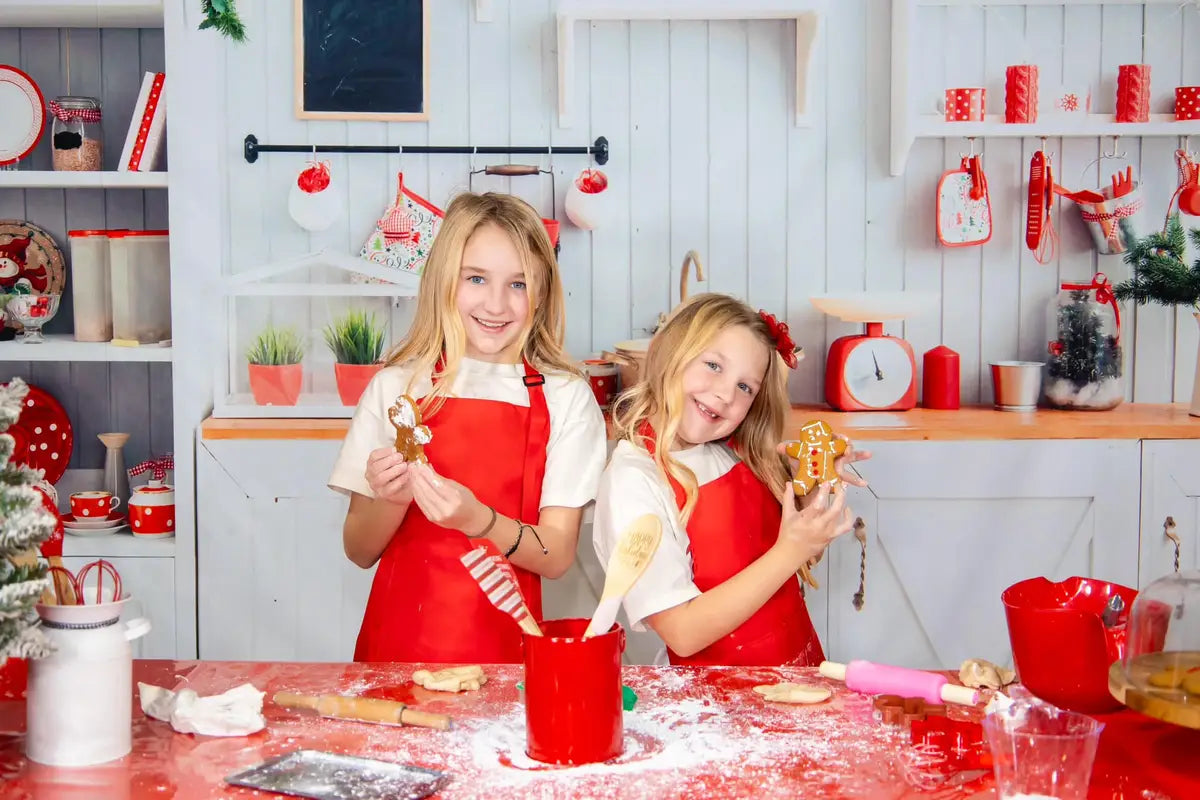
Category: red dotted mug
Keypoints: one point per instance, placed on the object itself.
(93, 505)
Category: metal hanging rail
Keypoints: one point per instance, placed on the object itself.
(252, 147)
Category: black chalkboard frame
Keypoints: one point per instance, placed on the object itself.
(397, 115)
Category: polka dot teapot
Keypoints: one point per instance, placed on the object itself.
(152, 510)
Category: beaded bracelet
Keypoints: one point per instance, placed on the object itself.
(521, 526)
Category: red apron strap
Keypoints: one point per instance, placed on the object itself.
(536, 439)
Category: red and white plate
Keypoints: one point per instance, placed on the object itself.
(113, 520)
(120, 527)
(22, 114)
(43, 434)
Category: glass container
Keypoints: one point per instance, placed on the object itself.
(1084, 364)
(91, 286)
(141, 286)
(77, 142)
(1162, 653)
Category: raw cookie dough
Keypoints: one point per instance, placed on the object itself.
(793, 693)
(451, 679)
(979, 674)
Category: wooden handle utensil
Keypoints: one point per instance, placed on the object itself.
(639, 542)
(363, 709)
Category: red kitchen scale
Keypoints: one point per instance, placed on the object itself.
(872, 371)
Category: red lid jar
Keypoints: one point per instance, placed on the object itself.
(152, 510)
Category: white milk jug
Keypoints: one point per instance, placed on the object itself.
(79, 698)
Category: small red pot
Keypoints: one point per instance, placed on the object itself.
(573, 711)
(152, 510)
(276, 385)
(352, 380)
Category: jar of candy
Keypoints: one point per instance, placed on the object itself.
(75, 134)
(1084, 368)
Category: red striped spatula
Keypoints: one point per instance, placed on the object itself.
(498, 581)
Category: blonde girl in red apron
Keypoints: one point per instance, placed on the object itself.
(517, 447)
(700, 447)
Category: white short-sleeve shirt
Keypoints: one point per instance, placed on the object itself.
(632, 486)
(574, 453)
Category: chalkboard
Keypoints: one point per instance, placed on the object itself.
(362, 59)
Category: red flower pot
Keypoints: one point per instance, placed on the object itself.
(276, 385)
(352, 379)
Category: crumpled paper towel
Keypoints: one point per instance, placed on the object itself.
(237, 712)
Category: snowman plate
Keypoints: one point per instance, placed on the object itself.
(29, 259)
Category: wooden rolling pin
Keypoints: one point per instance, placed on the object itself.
(363, 709)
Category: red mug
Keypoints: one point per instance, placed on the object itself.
(602, 375)
(573, 712)
(93, 505)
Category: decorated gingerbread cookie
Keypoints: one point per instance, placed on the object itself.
(411, 435)
(816, 451)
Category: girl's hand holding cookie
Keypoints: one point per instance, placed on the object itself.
(805, 533)
(843, 462)
(389, 476)
(446, 502)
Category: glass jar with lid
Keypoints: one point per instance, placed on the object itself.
(75, 138)
(1084, 365)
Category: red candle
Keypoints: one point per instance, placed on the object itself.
(940, 378)
(1021, 93)
(1133, 93)
(1187, 102)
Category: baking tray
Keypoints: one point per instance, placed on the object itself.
(332, 776)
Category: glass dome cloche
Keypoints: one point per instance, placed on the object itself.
(1160, 672)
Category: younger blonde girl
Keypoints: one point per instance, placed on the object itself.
(700, 448)
(516, 451)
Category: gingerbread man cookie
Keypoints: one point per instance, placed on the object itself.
(816, 451)
(411, 435)
(793, 693)
(451, 679)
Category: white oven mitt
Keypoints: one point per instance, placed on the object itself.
(237, 712)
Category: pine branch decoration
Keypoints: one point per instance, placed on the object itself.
(222, 16)
(1160, 274)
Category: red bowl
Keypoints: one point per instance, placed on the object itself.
(1061, 648)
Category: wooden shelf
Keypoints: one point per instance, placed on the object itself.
(1089, 125)
(1127, 421)
(117, 545)
(83, 14)
(47, 179)
(63, 347)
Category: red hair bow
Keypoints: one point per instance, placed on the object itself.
(783, 340)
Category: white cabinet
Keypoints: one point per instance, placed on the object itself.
(950, 525)
(151, 583)
(1170, 489)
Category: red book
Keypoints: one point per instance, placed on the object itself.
(147, 127)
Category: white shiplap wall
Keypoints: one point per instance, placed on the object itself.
(705, 157)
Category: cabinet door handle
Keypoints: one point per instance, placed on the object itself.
(1169, 532)
(860, 533)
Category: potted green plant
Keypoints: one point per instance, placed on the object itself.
(275, 370)
(1161, 276)
(356, 340)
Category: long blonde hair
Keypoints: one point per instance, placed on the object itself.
(437, 328)
(657, 399)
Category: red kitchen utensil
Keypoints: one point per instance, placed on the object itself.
(43, 435)
(1122, 184)
(1065, 636)
(498, 581)
(69, 589)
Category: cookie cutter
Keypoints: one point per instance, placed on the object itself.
(960, 741)
(892, 709)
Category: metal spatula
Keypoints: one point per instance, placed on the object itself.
(637, 546)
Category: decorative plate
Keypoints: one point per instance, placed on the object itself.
(43, 435)
(22, 114)
(30, 257)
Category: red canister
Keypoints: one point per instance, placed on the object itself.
(573, 709)
(1133, 93)
(940, 382)
(1021, 93)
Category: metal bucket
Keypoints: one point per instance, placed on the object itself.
(1016, 385)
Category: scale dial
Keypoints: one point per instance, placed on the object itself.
(878, 372)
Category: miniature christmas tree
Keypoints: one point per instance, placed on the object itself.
(1084, 368)
(24, 525)
(1160, 275)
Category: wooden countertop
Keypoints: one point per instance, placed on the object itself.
(1126, 421)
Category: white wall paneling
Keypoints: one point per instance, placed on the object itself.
(705, 156)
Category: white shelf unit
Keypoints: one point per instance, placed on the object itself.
(908, 125)
(63, 347)
(117, 545)
(82, 13)
(48, 179)
(310, 406)
(805, 12)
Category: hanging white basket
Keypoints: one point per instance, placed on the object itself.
(587, 202)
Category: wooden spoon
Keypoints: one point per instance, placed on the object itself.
(637, 546)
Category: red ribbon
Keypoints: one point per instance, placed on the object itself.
(68, 114)
(156, 466)
(1104, 294)
(783, 340)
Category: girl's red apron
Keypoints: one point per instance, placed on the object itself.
(424, 606)
(734, 522)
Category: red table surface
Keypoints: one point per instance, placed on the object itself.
(695, 733)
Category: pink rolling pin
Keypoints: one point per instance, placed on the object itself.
(868, 678)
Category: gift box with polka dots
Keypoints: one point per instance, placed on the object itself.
(1187, 102)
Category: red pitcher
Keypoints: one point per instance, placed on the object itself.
(1062, 646)
(573, 709)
